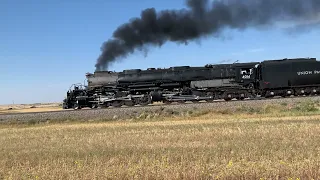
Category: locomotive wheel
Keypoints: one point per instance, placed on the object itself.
(241, 97)
(228, 97)
(94, 106)
(116, 104)
(76, 106)
(145, 100)
(129, 103)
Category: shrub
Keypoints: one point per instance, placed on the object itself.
(307, 106)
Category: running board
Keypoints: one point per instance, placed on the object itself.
(188, 98)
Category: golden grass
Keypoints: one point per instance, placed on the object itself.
(210, 146)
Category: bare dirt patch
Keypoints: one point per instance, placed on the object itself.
(23, 108)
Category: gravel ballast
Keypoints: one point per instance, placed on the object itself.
(128, 112)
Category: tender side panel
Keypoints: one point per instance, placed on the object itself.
(305, 73)
(289, 73)
(275, 74)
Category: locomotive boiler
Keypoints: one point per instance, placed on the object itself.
(182, 83)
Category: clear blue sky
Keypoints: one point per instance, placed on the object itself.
(45, 46)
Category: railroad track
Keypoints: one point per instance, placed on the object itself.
(137, 106)
(128, 112)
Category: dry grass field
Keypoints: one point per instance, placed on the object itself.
(273, 142)
(22, 108)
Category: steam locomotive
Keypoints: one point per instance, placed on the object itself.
(269, 78)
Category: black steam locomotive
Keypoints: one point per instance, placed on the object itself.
(269, 78)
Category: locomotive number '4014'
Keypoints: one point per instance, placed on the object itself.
(246, 76)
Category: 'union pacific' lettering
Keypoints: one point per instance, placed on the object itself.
(316, 72)
(304, 73)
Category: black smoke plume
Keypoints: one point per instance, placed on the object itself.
(202, 19)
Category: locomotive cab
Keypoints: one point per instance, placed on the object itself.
(246, 74)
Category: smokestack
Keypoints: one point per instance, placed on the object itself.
(203, 18)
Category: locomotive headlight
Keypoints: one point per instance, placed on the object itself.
(289, 92)
(314, 90)
(271, 93)
(302, 91)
